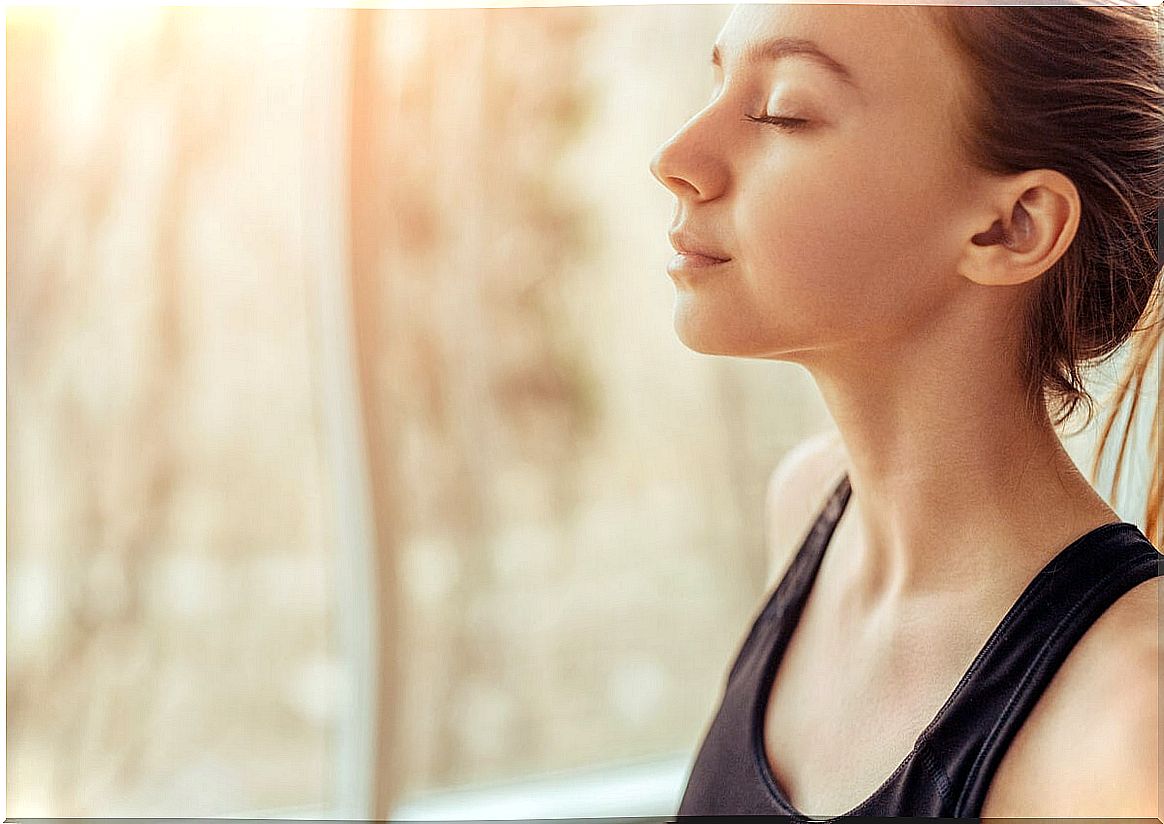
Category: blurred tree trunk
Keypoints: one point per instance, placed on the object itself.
(467, 368)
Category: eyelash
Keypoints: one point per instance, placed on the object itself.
(789, 123)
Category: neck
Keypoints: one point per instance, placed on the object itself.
(954, 484)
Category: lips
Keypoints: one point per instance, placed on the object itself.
(684, 259)
(699, 252)
(686, 265)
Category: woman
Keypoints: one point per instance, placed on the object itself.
(943, 213)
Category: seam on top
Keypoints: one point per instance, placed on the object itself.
(936, 771)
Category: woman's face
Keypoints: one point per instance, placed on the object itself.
(836, 230)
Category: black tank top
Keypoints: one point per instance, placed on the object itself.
(953, 760)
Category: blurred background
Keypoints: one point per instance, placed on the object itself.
(353, 466)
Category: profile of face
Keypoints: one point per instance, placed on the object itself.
(834, 217)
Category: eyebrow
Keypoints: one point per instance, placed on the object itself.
(779, 47)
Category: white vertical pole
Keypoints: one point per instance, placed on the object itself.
(326, 249)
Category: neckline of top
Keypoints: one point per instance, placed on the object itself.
(818, 538)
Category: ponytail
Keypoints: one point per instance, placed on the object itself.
(1145, 347)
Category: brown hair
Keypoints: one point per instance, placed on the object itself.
(1078, 89)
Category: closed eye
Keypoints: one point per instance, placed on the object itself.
(790, 123)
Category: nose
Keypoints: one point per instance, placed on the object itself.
(689, 163)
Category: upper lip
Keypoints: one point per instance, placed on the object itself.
(685, 243)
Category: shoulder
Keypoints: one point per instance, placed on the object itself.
(817, 454)
(797, 488)
(1091, 744)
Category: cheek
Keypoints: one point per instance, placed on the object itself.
(846, 243)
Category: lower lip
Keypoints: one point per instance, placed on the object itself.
(683, 262)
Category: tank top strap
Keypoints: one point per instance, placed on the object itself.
(971, 734)
(782, 609)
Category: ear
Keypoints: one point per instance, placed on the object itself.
(1026, 223)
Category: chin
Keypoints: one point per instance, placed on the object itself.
(713, 339)
(710, 335)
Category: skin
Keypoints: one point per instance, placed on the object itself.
(867, 248)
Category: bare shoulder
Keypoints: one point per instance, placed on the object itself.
(797, 488)
(1090, 746)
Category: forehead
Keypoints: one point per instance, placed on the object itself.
(890, 51)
